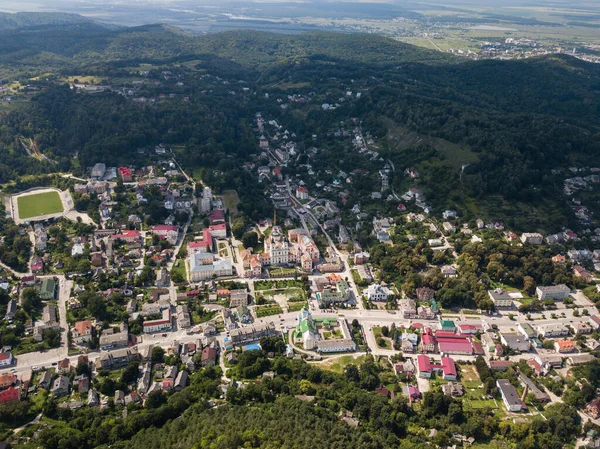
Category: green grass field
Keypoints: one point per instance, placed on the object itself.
(39, 204)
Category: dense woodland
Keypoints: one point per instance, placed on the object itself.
(266, 414)
(516, 120)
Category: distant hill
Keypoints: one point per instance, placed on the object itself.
(34, 21)
(512, 122)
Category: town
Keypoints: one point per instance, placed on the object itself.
(162, 277)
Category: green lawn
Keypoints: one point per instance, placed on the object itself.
(39, 204)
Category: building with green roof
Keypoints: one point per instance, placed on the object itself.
(47, 289)
(448, 325)
(306, 330)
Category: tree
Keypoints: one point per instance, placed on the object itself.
(529, 285)
(158, 354)
(250, 239)
(131, 373)
(385, 331)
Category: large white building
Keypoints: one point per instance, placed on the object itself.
(162, 324)
(297, 248)
(206, 201)
(205, 266)
(377, 293)
(555, 292)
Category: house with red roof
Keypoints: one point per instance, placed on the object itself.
(500, 365)
(469, 329)
(209, 356)
(202, 246)
(424, 366)
(129, 236)
(277, 173)
(6, 359)
(168, 232)
(448, 369)
(126, 174)
(28, 281)
(218, 231)
(455, 345)
(302, 193)
(37, 264)
(217, 216)
(563, 346)
(10, 394)
(7, 379)
(82, 332)
(427, 341)
(413, 393)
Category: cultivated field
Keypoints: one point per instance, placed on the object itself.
(39, 204)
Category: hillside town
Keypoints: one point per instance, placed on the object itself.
(164, 279)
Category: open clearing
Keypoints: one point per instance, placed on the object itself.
(39, 204)
(231, 200)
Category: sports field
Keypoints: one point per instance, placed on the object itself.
(39, 204)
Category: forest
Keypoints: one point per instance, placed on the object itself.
(300, 407)
(518, 120)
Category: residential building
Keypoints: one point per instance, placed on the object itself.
(302, 193)
(515, 341)
(377, 293)
(582, 273)
(553, 330)
(532, 238)
(11, 309)
(218, 231)
(424, 366)
(47, 289)
(427, 341)
(111, 339)
(334, 294)
(7, 379)
(454, 389)
(565, 346)
(533, 388)
(209, 356)
(82, 332)
(184, 319)
(425, 293)
(581, 328)
(252, 333)
(48, 322)
(117, 359)
(92, 399)
(338, 345)
(500, 298)
(181, 381)
(10, 394)
(527, 330)
(168, 232)
(556, 292)
(409, 308)
(60, 387)
(205, 266)
(593, 408)
(361, 258)
(159, 325)
(509, 395)
(238, 298)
